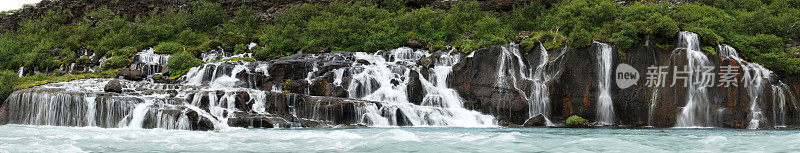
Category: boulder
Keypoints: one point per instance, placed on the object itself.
(402, 119)
(113, 86)
(320, 88)
(414, 89)
(537, 120)
(130, 74)
(425, 62)
(251, 122)
(339, 91)
(363, 62)
(414, 44)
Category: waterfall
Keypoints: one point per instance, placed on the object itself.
(539, 101)
(605, 107)
(139, 113)
(369, 115)
(755, 79)
(66, 108)
(697, 110)
(337, 76)
(21, 71)
(385, 79)
(149, 62)
(511, 65)
(91, 110)
(310, 76)
(779, 100)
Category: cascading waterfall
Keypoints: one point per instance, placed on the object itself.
(539, 101)
(605, 107)
(755, 79)
(149, 62)
(386, 79)
(210, 94)
(139, 113)
(337, 76)
(538, 97)
(697, 110)
(779, 100)
(369, 115)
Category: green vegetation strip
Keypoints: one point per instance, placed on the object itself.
(760, 30)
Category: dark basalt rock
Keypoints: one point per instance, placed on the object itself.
(129, 74)
(298, 66)
(475, 79)
(425, 62)
(251, 122)
(364, 62)
(537, 120)
(574, 92)
(402, 119)
(339, 91)
(113, 86)
(414, 44)
(414, 89)
(632, 104)
(320, 88)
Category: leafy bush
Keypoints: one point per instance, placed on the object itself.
(116, 62)
(181, 62)
(549, 39)
(240, 30)
(524, 17)
(206, 15)
(708, 36)
(124, 52)
(190, 38)
(8, 79)
(239, 48)
(168, 48)
(263, 53)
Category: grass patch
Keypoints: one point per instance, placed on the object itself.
(40, 78)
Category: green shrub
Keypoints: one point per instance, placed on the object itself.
(239, 48)
(263, 53)
(181, 62)
(206, 15)
(709, 49)
(116, 62)
(524, 17)
(240, 30)
(8, 79)
(707, 36)
(549, 39)
(168, 48)
(190, 38)
(577, 121)
(124, 52)
(287, 82)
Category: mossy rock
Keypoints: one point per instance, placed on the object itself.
(577, 121)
